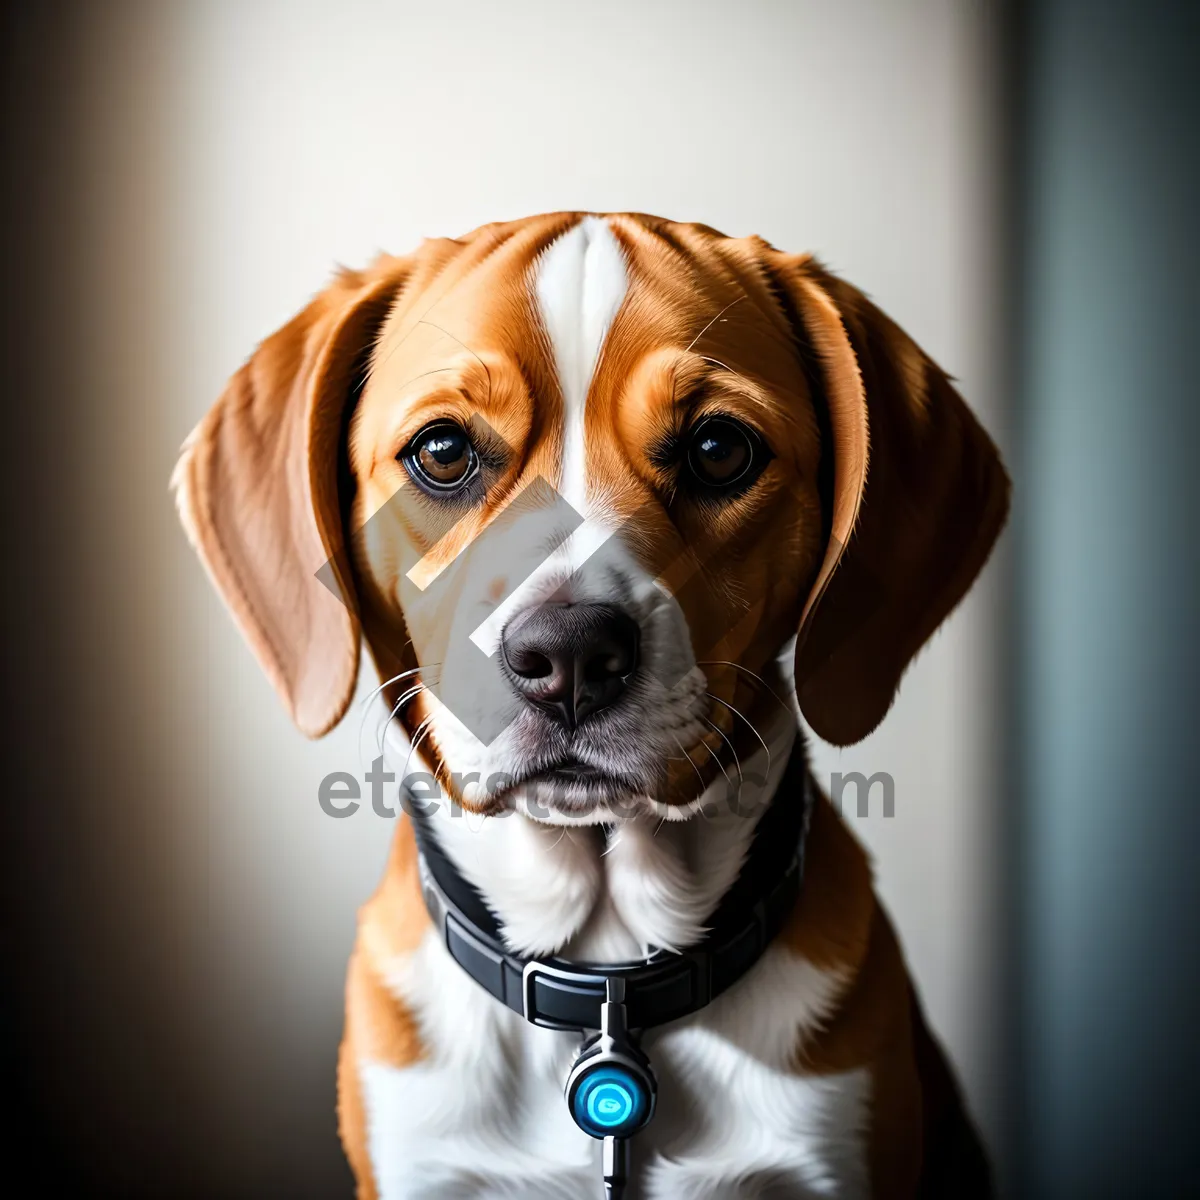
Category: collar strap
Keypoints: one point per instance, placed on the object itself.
(557, 994)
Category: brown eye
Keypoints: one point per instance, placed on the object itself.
(441, 458)
(721, 451)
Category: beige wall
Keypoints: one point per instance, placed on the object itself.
(232, 154)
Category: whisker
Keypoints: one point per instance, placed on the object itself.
(737, 762)
(724, 662)
(715, 319)
(424, 374)
(716, 757)
(396, 679)
(381, 733)
(708, 358)
(418, 737)
(464, 345)
(379, 340)
(749, 723)
(413, 691)
(366, 703)
(695, 768)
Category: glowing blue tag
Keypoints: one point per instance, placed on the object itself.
(610, 1102)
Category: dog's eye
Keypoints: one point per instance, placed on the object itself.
(441, 458)
(722, 451)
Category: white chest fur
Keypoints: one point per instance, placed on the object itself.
(482, 1114)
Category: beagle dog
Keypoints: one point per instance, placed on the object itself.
(611, 500)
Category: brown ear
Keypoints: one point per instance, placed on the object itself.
(257, 489)
(911, 527)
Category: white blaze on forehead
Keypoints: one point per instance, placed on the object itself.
(580, 283)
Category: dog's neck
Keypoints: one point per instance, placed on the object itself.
(612, 893)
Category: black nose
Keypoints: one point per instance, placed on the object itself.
(570, 659)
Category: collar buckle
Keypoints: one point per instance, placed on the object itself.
(590, 985)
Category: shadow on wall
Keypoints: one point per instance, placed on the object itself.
(1108, 683)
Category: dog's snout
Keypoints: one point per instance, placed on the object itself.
(570, 659)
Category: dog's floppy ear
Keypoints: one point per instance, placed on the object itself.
(918, 497)
(258, 493)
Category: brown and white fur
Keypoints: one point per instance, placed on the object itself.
(577, 346)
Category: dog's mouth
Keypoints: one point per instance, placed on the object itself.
(572, 770)
(567, 785)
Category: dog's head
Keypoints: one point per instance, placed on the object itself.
(578, 480)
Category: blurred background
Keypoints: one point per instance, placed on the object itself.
(1016, 184)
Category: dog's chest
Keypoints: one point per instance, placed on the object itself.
(483, 1115)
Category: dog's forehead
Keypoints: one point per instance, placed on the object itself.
(572, 303)
(507, 287)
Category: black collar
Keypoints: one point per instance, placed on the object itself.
(558, 994)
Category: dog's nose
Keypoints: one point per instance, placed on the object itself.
(570, 659)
